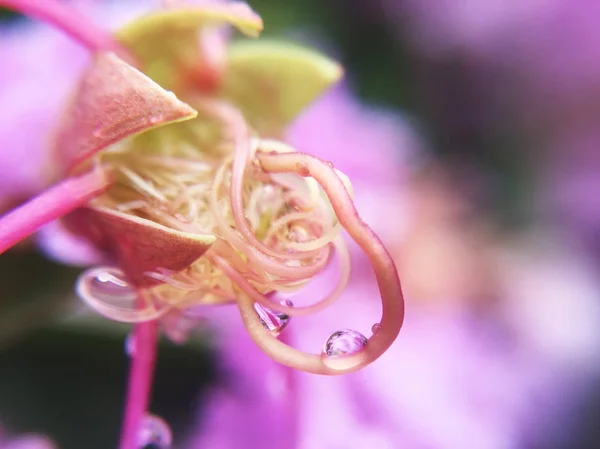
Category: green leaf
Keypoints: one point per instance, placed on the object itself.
(167, 45)
(273, 81)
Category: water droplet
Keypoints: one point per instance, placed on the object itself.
(302, 169)
(107, 291)
(130, 345)
(155, 433)
(344, 342)
(98, 131)
(106, 283)
(376, 328)
(273, 321)
(155, 119)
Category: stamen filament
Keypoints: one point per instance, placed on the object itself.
(51, 204)
(139, 386)
(385, 271)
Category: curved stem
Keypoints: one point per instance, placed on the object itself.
(139, 388)
(66, 19)
(50, 205)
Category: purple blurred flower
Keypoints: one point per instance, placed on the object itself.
(536, 66)
(29, 441)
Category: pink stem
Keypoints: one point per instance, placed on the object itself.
(65, 18)
(139, 387)
(50, 205)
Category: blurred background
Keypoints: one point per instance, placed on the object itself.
(470, 129)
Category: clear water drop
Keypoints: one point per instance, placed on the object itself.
(344, 342)
(376, 328)
(106, 283)
(108, 292)
(130, 345)
(302, 169)
(155, 433)
(156, 119)
(273, 321)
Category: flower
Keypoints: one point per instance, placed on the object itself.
(508, 371)
(205, 210)
(29, 441)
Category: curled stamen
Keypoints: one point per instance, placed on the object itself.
(243, 151)
(385, 272)
(254, 254)
(251, 292)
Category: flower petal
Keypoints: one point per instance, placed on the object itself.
(114, 101)
(272, 82)
(167, 43)
(139, 245)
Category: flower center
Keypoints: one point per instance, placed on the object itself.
(189, 190)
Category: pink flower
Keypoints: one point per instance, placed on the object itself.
(205, 210)
(506, 372)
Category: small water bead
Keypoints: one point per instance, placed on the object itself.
(105, 284)
(273, 321)
(154, 433)
(302, 169)
(344, 342)
(376, 328)
(130, 341)
(107, 291)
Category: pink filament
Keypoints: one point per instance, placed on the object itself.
(248, 289)
(257, 250)
(51, 204)
(139, 386)
(385, 272)
(75, 25)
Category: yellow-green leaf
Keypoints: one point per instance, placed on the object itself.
(166, 43)
(271, 81)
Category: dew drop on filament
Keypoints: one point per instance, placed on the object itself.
(108, 292)
(130, 345)
(105, 283)
(344, 342)
(154, 433)
(376, 328)
(275, 322)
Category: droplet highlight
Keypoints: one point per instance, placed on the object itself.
(376, 328)
(275, 322)
(155, 433)
(344, 342)
(107, 291)
(302, 169)
(106, 283)
(130, 345)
